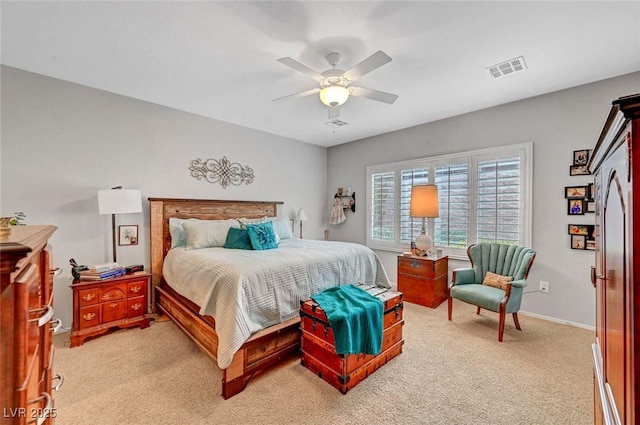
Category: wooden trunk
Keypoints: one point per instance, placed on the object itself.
(346, 371)
(423, 280)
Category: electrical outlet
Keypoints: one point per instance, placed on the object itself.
(544, 287)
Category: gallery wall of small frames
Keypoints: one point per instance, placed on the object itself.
(580, 201)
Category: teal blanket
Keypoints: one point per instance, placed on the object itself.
(356, 318)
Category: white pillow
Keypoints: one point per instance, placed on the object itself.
(282, 227)
(178, 235)
(207, 233)
(244, 222)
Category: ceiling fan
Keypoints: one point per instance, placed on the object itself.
(335, 84)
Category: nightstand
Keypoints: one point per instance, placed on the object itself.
(101, 305)
(423, 280)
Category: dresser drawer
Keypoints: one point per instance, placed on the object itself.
(135, 307)
(89, 296)
(114, 310)
(89, 316)
(116, 291)
(137, 288)
(423, 268)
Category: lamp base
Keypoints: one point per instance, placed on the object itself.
(424, 242)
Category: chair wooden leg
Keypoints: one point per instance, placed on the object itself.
(478, 310)
(501, 326)
(515, 320)
(449, 307)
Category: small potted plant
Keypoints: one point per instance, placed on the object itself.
(16, 220)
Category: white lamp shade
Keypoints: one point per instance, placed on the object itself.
(119, 201)
(334, 95)
(424, 201)
(301, 216)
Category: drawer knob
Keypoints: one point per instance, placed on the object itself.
(113, 305)
(135, 289)
(136, 306)
(88, 297)
(89, 316)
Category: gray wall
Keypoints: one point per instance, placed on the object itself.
(61, 142)
(557, 123)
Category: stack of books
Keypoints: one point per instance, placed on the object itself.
(102, 271)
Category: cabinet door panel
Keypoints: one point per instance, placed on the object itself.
(615, 282)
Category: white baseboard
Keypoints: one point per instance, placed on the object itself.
(553, 319)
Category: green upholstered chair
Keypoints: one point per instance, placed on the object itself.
(501, 259)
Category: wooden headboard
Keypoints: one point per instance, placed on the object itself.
(162, 209)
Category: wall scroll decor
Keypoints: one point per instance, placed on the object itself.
(221, 171)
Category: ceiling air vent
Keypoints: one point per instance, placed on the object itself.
(508, 67)
(336, 123)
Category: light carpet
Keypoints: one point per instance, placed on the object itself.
(449, 373)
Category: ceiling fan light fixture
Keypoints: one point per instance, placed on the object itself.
(334, 95)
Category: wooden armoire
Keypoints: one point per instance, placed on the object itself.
(615, 163)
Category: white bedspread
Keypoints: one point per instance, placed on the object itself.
(246, 291)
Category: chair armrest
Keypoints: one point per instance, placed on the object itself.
(463, 276)
(519, 283)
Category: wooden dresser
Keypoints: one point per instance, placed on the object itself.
(423, 280)
(26, 326)
(615, 162)
(101, 305)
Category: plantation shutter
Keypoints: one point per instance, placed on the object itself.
(383, 206)
(410, 227)
(451, 229)
(499, 200)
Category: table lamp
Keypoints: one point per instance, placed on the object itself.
(301, 216)
(424, 204)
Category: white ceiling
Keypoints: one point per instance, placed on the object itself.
(218, 59)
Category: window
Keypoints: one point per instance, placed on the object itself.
(484, 196)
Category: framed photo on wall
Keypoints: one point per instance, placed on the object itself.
(575, 206)
(576, 192)
(128, 235)
(579, 170)
(582, 229)
(581, 157)
(578, 242)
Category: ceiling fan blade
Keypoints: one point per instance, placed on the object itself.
(380, 96)
(374, 61)
(291, 63)
(297, 95)
(334, 112)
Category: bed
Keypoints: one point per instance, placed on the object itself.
(246, 339)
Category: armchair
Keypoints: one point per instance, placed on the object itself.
(506, 260)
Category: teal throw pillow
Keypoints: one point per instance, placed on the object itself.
(262, 236)
(238, 239)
